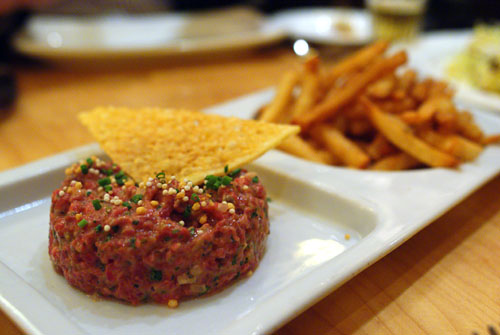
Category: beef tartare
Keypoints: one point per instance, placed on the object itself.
(163, 240)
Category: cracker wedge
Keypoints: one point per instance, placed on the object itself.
(181, 143)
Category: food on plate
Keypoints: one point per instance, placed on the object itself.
(365, 112)
(168, 235)
(479, 63)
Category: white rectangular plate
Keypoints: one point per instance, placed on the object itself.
(307, 256)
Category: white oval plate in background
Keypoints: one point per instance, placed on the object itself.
(143, 36)
(326, 25)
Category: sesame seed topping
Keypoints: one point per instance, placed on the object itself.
(245, 187)
(73, 182)
(150, 179)
(172, 191)
(186, 180)
(224, 202)
(100, 188)
(106, 197)
(107, 227)
(165, 192)
(196, 188)
(140, 202)
(172, 177)
(203, 203)
(185, 199)
(200, 191)
(199, 231)
(190, 183)
(148, 184)
(231, 210)
(187, 187)
(61, 193)
(181, 222)
(164, 186)
(158, 185)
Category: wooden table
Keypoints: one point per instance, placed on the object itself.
(444, 280)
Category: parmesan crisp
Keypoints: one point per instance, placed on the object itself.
(181, 143)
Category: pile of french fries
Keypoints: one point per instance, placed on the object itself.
(363, 113)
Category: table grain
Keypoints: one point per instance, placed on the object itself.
(443, 280)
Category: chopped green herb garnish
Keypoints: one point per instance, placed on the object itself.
(88, 193)
(195, 197)
(213, 182)
(226, 168)
(89, 161)
(120, 174)
(156, 275)
(187, 212)
(191, 230)
(98, 228)
(234, 260)
(104, 181)
(135, 222)
(82, 223)
(255, 180)
(108, 188)
(97, 204)
(126, 204)
(175, 231)
(120, 182)
(160, 175)
(84, 168)
(107, 172)
(234, 173)
(135, 198)
(226, 180)
(268, 199)
(132, 242)
(254, 214)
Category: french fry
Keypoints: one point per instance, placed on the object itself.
(407, 80)
(360, 127)
(491, 139)
(308, 95)
(380, 147)
(345, 95)
(399, 134)
(400, 161)
(355, 62)
(296, 146)
(468, 128)
(455, 145)
(275, 110)
(340, 146)
(382, 88)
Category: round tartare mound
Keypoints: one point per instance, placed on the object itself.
(164, 240)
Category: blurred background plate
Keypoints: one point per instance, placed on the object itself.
(114, 37)
(432, 53)
(334, 26)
